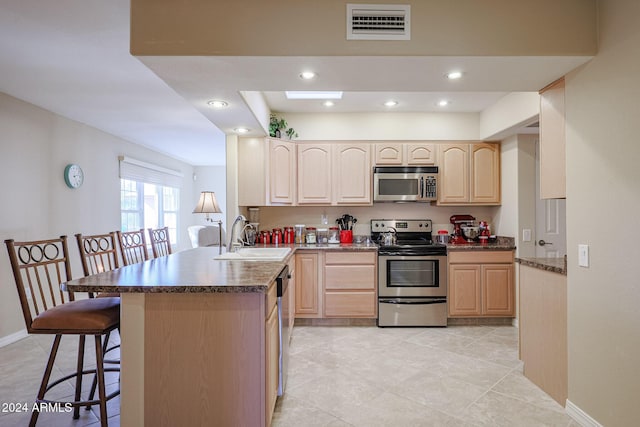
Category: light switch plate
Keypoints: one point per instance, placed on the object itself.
(583, 255)
(526, 235)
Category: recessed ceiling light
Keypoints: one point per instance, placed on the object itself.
(313, 94)
(241, 130)
(454, 75)
(443, 103)
(216, 103)
(328, 103)
(307, 75)
(391, 103)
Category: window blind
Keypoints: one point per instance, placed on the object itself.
(137, 170)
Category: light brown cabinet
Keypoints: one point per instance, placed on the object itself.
(350, 280)
(543, 330)
(282, 172)
(307, 284)
(469, 174)
(404, 153)
(314, 174)
(552, 142)
(272, 349)
(252, 171)
(481, 284)
(352, 174)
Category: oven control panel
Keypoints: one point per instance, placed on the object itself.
(401, 225)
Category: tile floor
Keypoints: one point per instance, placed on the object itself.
(353, 376)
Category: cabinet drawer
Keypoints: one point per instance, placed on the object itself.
(350, 277)
(480, 257)
(350, 258)
(350, 304)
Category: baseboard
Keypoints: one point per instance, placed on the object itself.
(579, 416)
(10, 339)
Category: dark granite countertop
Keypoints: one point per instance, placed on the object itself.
(501, 244)
(555, 265)
(196, 270)
(189, 271)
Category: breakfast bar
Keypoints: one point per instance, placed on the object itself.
(196, 338)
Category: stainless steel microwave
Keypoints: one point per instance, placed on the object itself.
(405, 183)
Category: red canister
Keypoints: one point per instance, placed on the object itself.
(289, 235)
(265, 237)
(276, 236)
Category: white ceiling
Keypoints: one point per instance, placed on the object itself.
(72, 57)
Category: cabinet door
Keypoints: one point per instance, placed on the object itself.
(314, 174)
(292, 295)
(453, 179)
(389, 153)
(464, 290)
(352, 174)
(552, 142)
(272, 349)
(351, 304)
(252, 190)
(307, 285)
(282, 171)
(485, 174)
(421, 154)
(497, 289)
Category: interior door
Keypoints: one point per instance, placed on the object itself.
(551, 230)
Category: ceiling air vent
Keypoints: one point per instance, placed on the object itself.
(378, 22)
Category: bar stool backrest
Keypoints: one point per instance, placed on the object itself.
(39, 268)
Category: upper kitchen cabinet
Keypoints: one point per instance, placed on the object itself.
(352, 174)
(282, 171)
(552, 142)
(469, 174)
(420, 154)
(404, 153)
(252, 185)
(314, 174)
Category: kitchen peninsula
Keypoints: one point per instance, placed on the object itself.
(195, 338)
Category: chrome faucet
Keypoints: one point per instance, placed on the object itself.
(234, 241)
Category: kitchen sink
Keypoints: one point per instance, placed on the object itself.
(256, 254)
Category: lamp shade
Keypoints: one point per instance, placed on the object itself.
(207, 203)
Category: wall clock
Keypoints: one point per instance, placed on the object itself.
(73, 176)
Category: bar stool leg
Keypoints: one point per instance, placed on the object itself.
(79, 368)
(45, 378)
(101, 383)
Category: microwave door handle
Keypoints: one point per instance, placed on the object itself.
(421, 190)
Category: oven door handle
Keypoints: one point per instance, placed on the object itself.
(413, 302)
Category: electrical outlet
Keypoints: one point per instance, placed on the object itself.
(583, 255)
(324, 220)
(526, 235)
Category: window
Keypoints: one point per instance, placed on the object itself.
(144, 205)
(149, 197)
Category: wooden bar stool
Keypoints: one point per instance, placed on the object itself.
(39, 268)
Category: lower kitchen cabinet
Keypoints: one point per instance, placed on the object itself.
(271, 361)
(350, 284)
(307, 284)
(481, 284)
(336, 284)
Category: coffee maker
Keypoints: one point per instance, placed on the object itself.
(459, 221)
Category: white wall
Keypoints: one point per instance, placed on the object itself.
(385, 126)
(603, 197)
(35, 146)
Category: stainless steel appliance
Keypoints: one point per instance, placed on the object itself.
(405, 183)
(282, 283)
(412, 274)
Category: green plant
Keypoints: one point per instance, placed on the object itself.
(279, 124)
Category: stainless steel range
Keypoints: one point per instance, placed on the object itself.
(412, 273)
